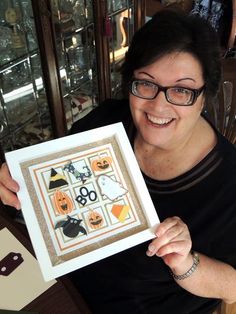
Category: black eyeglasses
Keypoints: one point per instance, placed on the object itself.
(176, 95)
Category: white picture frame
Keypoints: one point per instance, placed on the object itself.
(83, 198)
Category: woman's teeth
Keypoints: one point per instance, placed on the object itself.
(159, 121)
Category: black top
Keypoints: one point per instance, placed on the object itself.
(204, 198)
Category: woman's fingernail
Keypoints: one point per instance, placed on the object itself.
(151, 250)
(149, 253)
(15, 188)
(151, 247)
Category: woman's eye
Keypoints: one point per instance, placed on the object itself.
(182, 91)
(148, 85)
(145, 84)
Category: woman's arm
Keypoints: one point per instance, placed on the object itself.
(211, 278)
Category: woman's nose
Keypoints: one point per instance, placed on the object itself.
(160, 100)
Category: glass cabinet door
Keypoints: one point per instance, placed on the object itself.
(76, 53)
(24, 113)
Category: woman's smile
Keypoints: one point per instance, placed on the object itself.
(159, 121)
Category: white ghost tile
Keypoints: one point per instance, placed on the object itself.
(110, 188)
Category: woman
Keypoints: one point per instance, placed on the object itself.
(172, 69)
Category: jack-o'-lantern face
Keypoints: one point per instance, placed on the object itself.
(101, 164)
(63, 203)
(95, 220)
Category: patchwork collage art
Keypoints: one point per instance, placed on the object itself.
(83, 198)
(86, 199)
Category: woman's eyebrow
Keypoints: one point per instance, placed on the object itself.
(179, 80)
(142, 72)
(186, 78)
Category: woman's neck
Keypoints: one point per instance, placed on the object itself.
(164, 164)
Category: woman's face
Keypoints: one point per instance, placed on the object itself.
(159, 122)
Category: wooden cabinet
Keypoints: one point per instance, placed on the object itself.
(59, 59)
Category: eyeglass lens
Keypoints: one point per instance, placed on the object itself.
(176, 95)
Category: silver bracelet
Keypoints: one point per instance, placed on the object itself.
(196, 261)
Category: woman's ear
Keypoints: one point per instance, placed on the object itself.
(203, 104)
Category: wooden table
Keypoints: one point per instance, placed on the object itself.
(62, 297)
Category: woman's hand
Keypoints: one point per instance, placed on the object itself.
(8, 188)
(173, 244)
(212, 278)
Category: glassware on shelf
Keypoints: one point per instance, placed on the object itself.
(78, 65)
(81, 59)
(13, 17)
(18, 39)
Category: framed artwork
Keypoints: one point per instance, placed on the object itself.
(83, 198)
